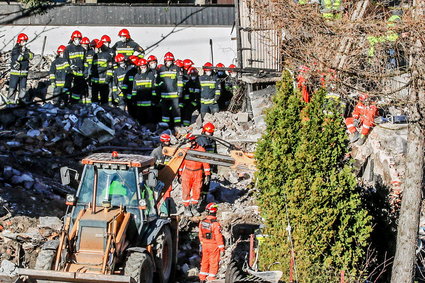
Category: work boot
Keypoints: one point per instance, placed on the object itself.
(194, 210)
(187, 211)
(354, 137)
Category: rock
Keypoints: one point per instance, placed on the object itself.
(19, 179)
(243, 117)
(8, 268)
(33, 133)
(53, 223)
(185, 268)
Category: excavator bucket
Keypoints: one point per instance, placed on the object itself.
(60, 276)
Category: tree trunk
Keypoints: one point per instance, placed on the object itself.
(404, 260)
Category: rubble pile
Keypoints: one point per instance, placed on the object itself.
(20, 240)
(50, 130)
(381, 160)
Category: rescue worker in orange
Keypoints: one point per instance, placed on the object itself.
(363, 117)
(302, 82)
(212, 243)
(193, 175)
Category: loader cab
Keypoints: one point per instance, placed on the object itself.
(116, 183)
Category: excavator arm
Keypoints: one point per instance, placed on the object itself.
(237, 159)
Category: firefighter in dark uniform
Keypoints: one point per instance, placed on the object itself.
(210, 91)
(143, 92)
(76, 56)
(59, 78)
(191, 96)
(128, 81)
(20, 63)
(153, 66)
(119, 88)
(170, 88)
(127, 46)
(101, 73)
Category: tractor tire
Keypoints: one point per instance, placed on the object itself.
(140, 267)
(164, 255)
(45, 261)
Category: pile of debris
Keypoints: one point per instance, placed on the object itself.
(50, 130)
(21, 238)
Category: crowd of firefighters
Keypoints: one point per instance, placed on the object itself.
(95, 71)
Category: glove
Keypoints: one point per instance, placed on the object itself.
(179, 179)
(356, 123)
(16, 66)
(222, 253)
(207, 179)
(74, 68)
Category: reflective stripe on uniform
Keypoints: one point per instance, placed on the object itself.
(144, 103)
(169, 95)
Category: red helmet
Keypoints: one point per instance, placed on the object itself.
(165, 138)
(211, 207)
(85, 40)
(141, 62)
(152, 58)
(61, 49)
(22, 37)
(190, 137)
(231, 66)
(363, 96)
(220, 65)
(94, 42)
(168, 56)
(76, 34)
(105, 38)
(124, 32)
(187, 63)
(179, 63)
(99, 44)
(206, 65)
(133, 59)
(119, 58)
(192, 71)
(208, 127)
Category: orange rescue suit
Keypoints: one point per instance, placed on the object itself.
(212, 244)
(365, 114)
(192, 176)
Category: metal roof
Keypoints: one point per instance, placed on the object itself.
(120, 15)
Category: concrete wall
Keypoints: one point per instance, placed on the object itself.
(185, 42)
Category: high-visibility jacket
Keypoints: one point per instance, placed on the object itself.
(128, 81)
(330, 7)
(88, 62)
(169, 82)
(210, 232)
(59, 71)
(390, 36)
(76, 56)
(20, 61)
(128, 48)
(101, 70)
(144, 88)
(119, 85)
(192, 92)
(210, 89)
